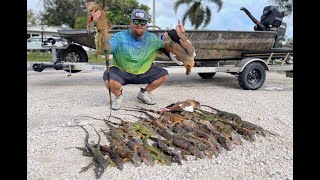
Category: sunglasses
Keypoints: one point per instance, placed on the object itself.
(138, 21)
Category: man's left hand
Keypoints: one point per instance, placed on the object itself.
(180, 27)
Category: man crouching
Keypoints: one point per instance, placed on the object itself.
(134, 51)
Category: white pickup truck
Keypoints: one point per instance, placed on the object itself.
(38, 43)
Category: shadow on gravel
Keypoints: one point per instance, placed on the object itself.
(181, 80)
(221, 80)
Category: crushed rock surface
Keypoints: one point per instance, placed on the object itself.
(55, 100)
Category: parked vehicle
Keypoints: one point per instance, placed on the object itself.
(39, 43)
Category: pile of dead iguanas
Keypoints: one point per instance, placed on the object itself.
(167, 136)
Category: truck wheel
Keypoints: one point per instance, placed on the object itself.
(252, 77)
(74, 53)
(206, 75)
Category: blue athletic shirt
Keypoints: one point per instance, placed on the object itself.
(133, 55)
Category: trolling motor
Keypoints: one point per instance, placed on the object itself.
(271, 20)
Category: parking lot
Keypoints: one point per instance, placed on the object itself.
(54, 100)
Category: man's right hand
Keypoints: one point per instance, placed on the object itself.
(96, 15)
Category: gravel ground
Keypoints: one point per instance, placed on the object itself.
(53, 100)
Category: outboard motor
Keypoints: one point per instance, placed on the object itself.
(271, 17)
(271, 20)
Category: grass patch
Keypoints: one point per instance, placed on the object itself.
(92, 58)
(47, 57)
(39, 56)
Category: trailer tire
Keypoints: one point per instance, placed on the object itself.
(206, 75)
(74, 53)
(252, 77)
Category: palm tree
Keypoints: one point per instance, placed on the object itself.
(285, 5)
(198, 12)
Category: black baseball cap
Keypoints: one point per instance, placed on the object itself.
(139, 14)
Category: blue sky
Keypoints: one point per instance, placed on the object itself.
(229, 17)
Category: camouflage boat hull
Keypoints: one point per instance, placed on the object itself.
(209, 44)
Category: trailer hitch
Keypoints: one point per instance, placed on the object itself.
(39, 67)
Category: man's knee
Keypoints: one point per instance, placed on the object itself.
(113, 83)
(162, 79)
(165, 77)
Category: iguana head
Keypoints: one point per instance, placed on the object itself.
(104, 4)
(99, 171)
(94, 5)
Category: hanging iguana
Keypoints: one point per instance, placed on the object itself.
(102, 27)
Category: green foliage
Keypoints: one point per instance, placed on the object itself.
(198, 12)
(286, 41)
(80, 22)
(62, 12)
(31, 17)
(73, 13)
(283, 4)
(120, 15)
(289, 42)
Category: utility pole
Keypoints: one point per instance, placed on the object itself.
(154, 14)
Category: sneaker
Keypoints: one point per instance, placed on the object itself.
(116, 103)
(145, 97)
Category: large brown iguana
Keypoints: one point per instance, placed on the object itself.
(180, 48)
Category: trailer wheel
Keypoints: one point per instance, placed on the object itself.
(74, 53)
(206, 75)
(252, 77)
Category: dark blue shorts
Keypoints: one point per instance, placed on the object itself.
(154, 73)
